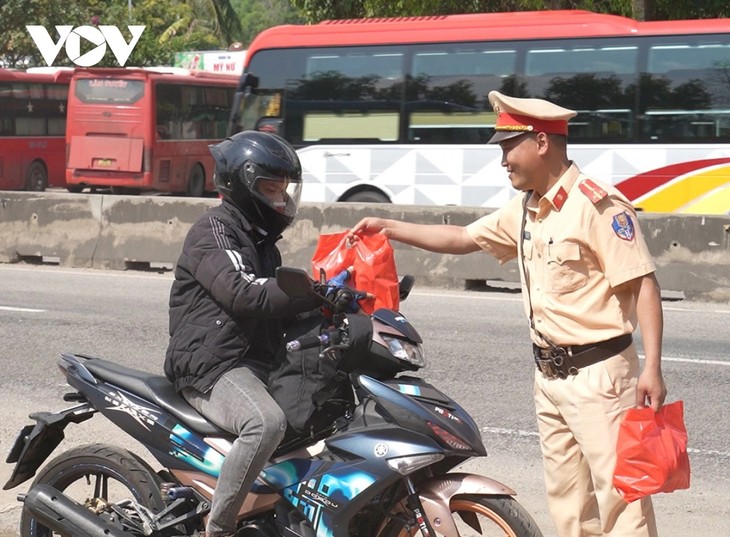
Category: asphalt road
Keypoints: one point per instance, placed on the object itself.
(477, 349)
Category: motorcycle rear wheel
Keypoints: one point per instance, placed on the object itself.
(93, 474)
(480, 516)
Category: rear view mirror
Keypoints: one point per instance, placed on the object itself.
(405, 286)
(295, 283)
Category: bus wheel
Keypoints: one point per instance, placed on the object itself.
(367, 196)
(196, 182)
(37, 178)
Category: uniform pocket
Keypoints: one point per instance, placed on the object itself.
(566, 269)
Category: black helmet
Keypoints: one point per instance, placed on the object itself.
(260, 173)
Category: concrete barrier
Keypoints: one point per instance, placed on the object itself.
(140, 232)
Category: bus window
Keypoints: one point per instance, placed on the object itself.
(596, 78)
(381, 66)
(446, 95)
(345, 95)
(381, 126)
(685, 92)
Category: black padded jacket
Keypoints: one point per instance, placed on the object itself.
(226, 309)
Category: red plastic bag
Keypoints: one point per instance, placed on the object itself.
(373, 264)
(652, 452)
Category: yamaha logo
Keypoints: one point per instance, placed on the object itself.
(381, 450)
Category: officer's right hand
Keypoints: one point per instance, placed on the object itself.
(369, 224)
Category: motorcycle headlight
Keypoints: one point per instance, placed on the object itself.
(405, 350)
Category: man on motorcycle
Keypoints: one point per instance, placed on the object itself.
(227, 312)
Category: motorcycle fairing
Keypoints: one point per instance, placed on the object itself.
(35, 443)
(320, 489)
(329, 492)
(398, 321)
(412, 411)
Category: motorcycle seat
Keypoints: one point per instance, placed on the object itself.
(155, 388)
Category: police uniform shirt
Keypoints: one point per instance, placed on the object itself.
(581, 242)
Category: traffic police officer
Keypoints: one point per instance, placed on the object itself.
(587, 282)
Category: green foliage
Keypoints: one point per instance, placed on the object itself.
(258, 15)
(17, 47)
(318, 10)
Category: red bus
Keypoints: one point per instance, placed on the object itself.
(145, 129)
(396, 110)
(33, 128)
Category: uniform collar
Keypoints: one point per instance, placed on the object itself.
(558, 193)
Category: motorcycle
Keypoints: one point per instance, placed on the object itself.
(382, 468)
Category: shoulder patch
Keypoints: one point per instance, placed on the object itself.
(623, 226)
(592, 191)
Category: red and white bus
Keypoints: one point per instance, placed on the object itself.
(33, 128)
(397, 110)
(145, 129)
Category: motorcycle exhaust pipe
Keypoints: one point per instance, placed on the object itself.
(59, 513)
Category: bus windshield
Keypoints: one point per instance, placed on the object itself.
(260, 110)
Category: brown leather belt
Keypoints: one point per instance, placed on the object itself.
(559, 362)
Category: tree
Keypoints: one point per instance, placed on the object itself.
(170, 26)
(17, 48)
(258, 15)
(317, 10)
(214, 22)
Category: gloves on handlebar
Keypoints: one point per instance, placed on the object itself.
(344, 298)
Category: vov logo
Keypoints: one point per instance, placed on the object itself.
(99, 37)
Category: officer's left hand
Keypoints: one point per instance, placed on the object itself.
(651, 390)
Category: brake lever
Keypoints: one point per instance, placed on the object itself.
(331, 350)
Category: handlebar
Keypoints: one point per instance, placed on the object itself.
(308, 342)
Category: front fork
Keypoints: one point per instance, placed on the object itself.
(414, 504)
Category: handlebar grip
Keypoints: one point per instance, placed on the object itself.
(307, 342)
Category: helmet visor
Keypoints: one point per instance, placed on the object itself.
(282, 195)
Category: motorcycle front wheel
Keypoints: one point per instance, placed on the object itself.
(97, 476)
(478, 516)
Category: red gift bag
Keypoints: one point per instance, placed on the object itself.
(652, 452)
(372, 262)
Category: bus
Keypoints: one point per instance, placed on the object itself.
(396, 110)
(134, 130)
(33, 128)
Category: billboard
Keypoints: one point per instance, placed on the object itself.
(217, 61)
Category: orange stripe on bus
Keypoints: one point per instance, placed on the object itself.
(716, 202)
(679, 193)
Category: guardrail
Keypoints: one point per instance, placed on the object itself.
(692, 252)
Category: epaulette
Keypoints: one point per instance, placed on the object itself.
(592, 191)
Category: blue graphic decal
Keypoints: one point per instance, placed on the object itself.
(191, 448)
(320, 498)
(409, 389)
(347, 487)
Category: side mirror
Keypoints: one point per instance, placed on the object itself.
(295, 283)
(405, 286)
